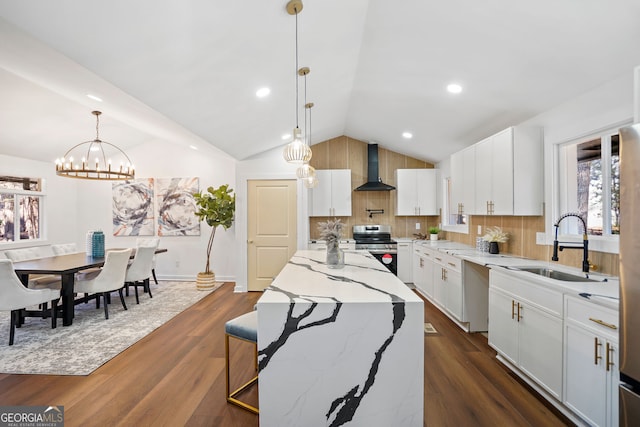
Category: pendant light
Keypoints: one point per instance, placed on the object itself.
(97, 160)
(306, 170)
(296, 152)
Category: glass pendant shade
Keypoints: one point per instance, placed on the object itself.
(96, 159)
(297, 152)
(305, 171)
(310, 182)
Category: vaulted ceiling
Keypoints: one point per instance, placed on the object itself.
(188, 70)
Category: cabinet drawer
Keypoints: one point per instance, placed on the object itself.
(544, 298)
(448, 261)
(593, 316)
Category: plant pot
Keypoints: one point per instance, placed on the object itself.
(205, 281)
(493, 248)
(433, 237)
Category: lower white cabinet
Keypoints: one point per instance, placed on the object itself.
(422, 270)
(525, 328)
(447, 284)
(591, 361)
(405, 262)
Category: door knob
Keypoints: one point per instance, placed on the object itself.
(249, 241)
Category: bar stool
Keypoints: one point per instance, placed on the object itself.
(245, 328)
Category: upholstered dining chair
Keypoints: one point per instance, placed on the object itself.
(139, 272)
(110, 278)
(244, 327)
(150, 241)
(42, 281)
(15, 297)
(64, 248)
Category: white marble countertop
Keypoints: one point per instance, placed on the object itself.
(363, 279)
(604, 291)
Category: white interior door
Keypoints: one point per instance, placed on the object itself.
(271, 229)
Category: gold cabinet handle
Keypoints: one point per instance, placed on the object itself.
(451, 264)
(596, 356)
(439, 259)
(421, 263)
(444, 271)
(513, 309)
(519, 307)
(603, 323)
(609, 356)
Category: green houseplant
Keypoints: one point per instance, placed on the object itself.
(217, 207)
(433, 231)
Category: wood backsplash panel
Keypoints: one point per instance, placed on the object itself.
(348, 153)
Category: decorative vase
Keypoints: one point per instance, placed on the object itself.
(335, 255)
(493, 248)
(205, 281)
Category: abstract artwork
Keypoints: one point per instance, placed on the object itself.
(133, 207)
(177, 206)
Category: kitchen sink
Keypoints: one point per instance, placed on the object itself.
(555, 274)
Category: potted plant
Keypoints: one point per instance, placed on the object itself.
(216, 207)
(494, 236)
(433, 232)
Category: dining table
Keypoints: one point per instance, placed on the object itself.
(66, 266)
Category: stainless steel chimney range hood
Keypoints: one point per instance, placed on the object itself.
(374, 183)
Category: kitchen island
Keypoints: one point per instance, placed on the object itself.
(340, 346)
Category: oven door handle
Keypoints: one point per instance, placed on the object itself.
(383, 251)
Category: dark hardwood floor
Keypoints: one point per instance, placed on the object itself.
(175, 376)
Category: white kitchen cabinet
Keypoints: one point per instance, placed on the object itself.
(525, 328)
(509, 173)
(416, 192)
(447, 284)
(463, 166)
(332, 195)
(591, 361)
(423, 270)
(405, 261)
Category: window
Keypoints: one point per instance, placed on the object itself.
(20, 209)
(590, 171)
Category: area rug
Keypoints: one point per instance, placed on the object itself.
(91, 341)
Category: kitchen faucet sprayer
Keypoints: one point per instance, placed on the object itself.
(584, 246)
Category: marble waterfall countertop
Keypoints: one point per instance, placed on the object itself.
(340, 346)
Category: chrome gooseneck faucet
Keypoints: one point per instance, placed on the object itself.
(584, 246)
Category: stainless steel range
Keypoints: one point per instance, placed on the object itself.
(377, 240)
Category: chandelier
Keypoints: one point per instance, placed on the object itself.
(97, 159)
(296, 152)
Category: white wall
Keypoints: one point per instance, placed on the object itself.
(60, 198)
(186, 256)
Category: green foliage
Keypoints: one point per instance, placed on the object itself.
(434, 230)
(216, 206)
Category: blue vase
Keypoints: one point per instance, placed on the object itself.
(97, 244)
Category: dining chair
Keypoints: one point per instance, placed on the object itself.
(139, 272)
(15, 297)
(150, 241)
(245, 328)
(110, 278)
(64, 248)
(42, 281)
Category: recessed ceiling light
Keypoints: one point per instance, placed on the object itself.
(454, 88)
(95, 98)
(262, 92)
(407, 135)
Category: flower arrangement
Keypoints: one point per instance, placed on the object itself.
(495, 234)
(331, 231)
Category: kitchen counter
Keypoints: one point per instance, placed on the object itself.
(340, 345)
(603, 292)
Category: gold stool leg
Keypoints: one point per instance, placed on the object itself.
(231, 396)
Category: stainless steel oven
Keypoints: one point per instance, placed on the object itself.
(377, 240)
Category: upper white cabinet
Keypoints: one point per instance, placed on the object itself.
(463, 176)
(416, 192)
(332, 195)
(508, 173)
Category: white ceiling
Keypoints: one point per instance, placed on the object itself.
(188, 70)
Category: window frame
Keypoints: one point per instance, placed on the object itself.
(17, 193)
